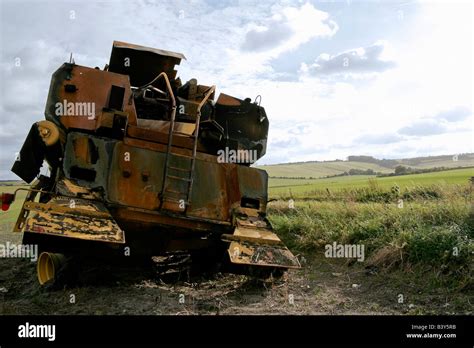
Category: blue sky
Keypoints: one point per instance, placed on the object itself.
(390, 79)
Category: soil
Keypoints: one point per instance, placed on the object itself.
(322, 286)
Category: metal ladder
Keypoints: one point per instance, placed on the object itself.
(179, 199)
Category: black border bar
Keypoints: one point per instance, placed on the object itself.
(227, 330)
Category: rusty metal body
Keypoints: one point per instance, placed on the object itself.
(144, 169)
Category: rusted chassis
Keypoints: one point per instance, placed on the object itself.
(107, 191)
(137, 178)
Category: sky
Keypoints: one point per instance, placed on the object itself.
(389, 79)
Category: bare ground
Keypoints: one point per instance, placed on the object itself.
(322, 287)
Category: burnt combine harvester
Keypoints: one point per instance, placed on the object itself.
(140, 166)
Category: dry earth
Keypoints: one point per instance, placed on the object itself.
(323, 286)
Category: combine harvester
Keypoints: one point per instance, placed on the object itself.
(143, 165)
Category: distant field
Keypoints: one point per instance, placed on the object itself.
(279, 187)
(444, 162)
(320, 169)
(323, 169)
(12, 183)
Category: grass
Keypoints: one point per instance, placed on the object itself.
(284, 188)
(434, 227)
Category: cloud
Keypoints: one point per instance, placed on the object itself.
(300, 129)
(378, 139)
(285, 143)
(424, 127)
(267, 37)
(284, 28)
(456, 114)
(355, 61)
(288, 28)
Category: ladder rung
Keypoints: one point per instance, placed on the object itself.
(183, 134)
(180, 155)
(166, 199)
(178, 178)
(180, 169)
(174, 191)
(175, 199)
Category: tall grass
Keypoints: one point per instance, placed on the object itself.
(435, 225)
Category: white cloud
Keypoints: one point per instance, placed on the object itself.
(456, 114)
(285, 29)
(362, 60)
(433, 73)
(424, 127)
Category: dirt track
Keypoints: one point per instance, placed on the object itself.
(322, 287)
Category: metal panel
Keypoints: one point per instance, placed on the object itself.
(253, 183)
(90, 86)
(141, 63)
(135, 177)
(73, 218)
(254, 243)
(88, 153)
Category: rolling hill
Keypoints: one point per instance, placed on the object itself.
(317, 169)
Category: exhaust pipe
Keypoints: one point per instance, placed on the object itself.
(48, 266)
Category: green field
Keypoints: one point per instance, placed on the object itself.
(306, 187)
(323, 169)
